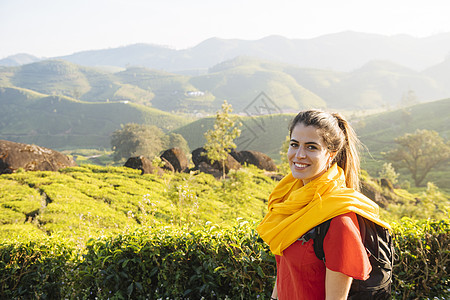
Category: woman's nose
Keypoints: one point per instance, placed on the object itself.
(300, 152)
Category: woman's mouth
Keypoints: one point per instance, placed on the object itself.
(300, 166)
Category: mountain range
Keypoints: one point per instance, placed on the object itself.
(377, 84)
(78, 100)
(344, 51)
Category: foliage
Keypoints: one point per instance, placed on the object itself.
(36, 269)
(90, 201)
(214, 262)
(135, 140)
(173, 140)
(423, 256)
(378, 132)
(388, 172)
(419, 153)
(284, 167)
(220, 140)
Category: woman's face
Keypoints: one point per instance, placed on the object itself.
(308, 155)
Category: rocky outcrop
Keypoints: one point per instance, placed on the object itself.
(14, 156)
(372, 193)
(208, 169)
(167, 166)
(386, 183)
(199, 156)
(177, 158)
(258, 159)
(142, 163)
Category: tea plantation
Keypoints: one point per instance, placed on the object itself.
(94, 232)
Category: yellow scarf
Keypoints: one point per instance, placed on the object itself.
(294, 209)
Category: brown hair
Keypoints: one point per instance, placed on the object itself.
(339, 137)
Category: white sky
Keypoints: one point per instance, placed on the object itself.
(47, 28)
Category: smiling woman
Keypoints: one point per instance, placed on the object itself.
(322, 186)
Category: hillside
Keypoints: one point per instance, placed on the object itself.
(90, 201)
(240, 80)
(260, 133)
(378, 132)
(378, 84)
(64, 123)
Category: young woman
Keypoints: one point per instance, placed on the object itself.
(323, 184)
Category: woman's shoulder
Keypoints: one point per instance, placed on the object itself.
(345, 220)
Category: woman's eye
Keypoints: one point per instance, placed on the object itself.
(312, 147)
(293, 145)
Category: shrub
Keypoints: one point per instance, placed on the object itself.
(35, 270)
(212, 262)
(423, 255)
(176, 264)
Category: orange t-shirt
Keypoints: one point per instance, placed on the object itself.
(301, 275)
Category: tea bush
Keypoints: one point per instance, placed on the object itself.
(35, 269)
(423, 259)
(169, 262)
(94, 232)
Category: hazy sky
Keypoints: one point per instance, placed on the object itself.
(49, 28)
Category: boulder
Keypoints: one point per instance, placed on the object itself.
(373, 194)
(258, 159)
(177, 158)
(31, 158)
(166, 165)
(208, 169)
(198, 157)
(236, 155)
(386, 183)
(142, 163)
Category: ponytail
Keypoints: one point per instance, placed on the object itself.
(347, 157)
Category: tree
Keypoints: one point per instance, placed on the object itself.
(135, 139)
(388, 172)
(419, 152)
(220, 140)
(176, 140)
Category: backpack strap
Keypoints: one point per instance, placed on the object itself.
(321, 231)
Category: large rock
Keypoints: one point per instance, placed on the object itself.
(31, 158)
(177, 158)
(386, 183)
(208, 169)
(199, 156)
(166, 165)
(142, 163)
(374, 194)
(258, 159)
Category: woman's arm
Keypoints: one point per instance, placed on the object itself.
(337, 285)
(275, 291)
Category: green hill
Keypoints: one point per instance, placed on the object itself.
(64, 123)
(260, 133)
(239, 81)
(378, 132)
(89, 201)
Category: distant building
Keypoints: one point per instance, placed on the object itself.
(195, 93)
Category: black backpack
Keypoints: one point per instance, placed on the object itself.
(378, 242)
